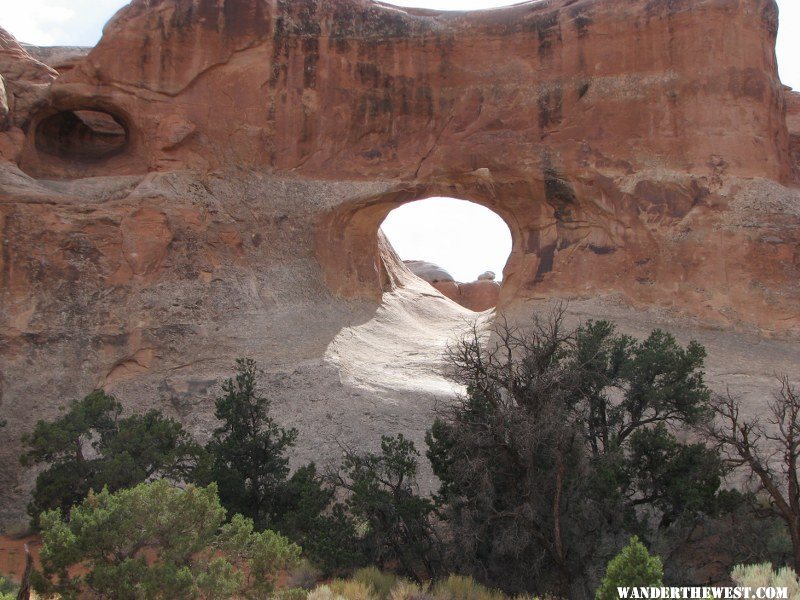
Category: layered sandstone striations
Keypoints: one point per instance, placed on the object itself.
(208, 183)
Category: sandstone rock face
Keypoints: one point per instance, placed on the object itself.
(60, 58)
(479, 295)
(25, 86)
(793, 125)
(476, 296)
(208, 183)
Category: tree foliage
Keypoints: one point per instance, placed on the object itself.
(91, 447)
(248, 451)
(8, 591)
(382, 495)
(564, 443)
(763, 576)
(248, 457)
(768, 448)
(632, 567)
(310, 516)
(157, 541)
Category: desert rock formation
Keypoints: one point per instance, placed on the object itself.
(208, 183)
(477, 296)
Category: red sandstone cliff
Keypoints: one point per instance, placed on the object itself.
(209, 181)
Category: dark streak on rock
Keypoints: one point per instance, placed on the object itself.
(602, 250)
(310, 60)
(559, 194)
(548, 29)
(550, 102)
(546, 259)
(581, 20)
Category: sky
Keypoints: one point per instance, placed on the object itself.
(464, 238)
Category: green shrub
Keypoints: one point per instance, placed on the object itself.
(290, 594)
(382, 494)
(379, 582)
(573, 437)
(304, 576)
(406, 590)
(324, 593)
(90, 447)
(8, 591)
(456, 587)
(247, 453)
(350, 589)
(156, 541)
(632, 567)
(763, 576)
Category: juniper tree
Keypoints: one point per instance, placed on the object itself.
(563, 445)
(91, 447)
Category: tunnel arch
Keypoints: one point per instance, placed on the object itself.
(79, 136)
(358, 262)
(458, 247)
(86, 135)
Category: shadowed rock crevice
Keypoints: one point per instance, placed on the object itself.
(81, 135)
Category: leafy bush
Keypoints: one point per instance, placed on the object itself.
(247, 452)
(156, 541)
(763, 575)
(406, 590)
(309, 516)
(247, 457)
(324, 593)
(8, 591)
(304, 576)
(290, 594)
(632, 567)
(452, 588)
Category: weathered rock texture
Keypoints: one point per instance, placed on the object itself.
(638, 151)
(60, 58)
(793, 126)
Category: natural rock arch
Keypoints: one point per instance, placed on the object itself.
(357, 262)
(598, 152)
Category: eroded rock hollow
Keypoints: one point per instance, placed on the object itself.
(208, 183)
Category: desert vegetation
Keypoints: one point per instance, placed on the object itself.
(577, 460)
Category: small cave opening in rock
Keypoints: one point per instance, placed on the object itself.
(81, 134)
(457, 246)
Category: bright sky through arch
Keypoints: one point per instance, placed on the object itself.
(462, 237)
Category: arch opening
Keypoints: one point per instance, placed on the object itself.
(459, 247)
(358, 261)
(88, 135)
